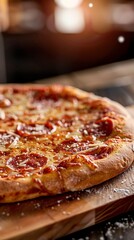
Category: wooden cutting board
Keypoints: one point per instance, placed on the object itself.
(52, 217)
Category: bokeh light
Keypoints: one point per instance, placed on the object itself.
(68, 3)
(121, 39)
(90, 5)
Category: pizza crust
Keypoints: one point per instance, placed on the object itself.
(107, 168)
(72, 178)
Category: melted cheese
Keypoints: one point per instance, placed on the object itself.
(30, 126)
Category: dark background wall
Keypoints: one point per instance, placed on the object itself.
(40, 52)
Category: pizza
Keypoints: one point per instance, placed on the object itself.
(56, 139)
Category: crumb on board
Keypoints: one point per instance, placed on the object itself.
(122, 191)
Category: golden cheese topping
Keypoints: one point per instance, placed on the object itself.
(42, 130)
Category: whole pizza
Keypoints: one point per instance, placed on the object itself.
(56, 139)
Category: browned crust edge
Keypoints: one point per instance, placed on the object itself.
(71, 179)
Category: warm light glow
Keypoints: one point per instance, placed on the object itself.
(90, 5)
(4, 18)
(121, 39)
(123, 14)
(69, 20)
(68, 3)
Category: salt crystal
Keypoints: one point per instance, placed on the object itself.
(88, 190)
(66, 213)
(123, 181)
(122, 190)
(69, 196)
(37, 205)
(108, 234)
(120, 225)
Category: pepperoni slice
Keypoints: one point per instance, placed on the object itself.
(100, 128)
(26, 130)
(72, 146)
(26, 162)
(6, 139)
(105, 126)
(43, 95)
(45, 99)
(77, 161)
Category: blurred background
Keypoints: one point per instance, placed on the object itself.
(45, 38)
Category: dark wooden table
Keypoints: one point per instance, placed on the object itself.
(121, 227)
(116, 74)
